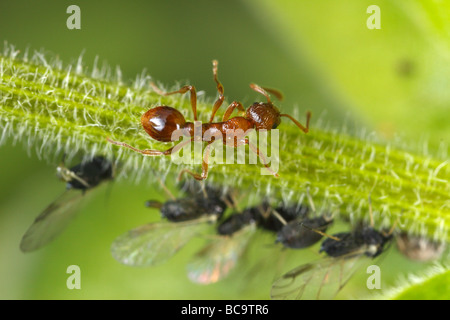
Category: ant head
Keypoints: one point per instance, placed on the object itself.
(161, 122)
(264, 115)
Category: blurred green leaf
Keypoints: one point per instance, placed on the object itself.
(395, 78)
(434, 284)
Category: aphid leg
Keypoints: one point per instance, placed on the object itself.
(320, 232)
(264, 92)
(230, 109)
(261, 157)
(166, 190)
(148, 152)
(204, 174)
(231, 201)
(325, 279)
(220, 89)
(391, 231)
(230, 204)
(264, 212)
(182, 90)
(278, 216)
(298, 124)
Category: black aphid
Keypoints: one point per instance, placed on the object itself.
(367, 241)
(55, 218)
(184, 218)
(300, 234)
(324, 278)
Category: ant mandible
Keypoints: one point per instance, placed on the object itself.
(160, 122)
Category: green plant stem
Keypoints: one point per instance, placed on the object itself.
(55, 110)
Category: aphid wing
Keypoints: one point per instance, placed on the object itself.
(52, 221)
(155, 243)
(319, 280)
(219, 258)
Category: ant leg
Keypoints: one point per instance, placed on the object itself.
(148, 152)
(183, 90)
(204, 174)
(231, 203)
(261, 157)
(221, 98)
(264, 92)
(231, 108)
(298, 124)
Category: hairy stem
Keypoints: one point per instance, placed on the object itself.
(55, 109)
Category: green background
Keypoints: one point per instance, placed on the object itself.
(319, 54)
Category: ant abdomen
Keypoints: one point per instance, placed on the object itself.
(160, 122)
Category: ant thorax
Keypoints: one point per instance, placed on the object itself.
(264, 115)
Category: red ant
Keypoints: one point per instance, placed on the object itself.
(160, 122)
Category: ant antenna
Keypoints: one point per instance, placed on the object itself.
(320, 232)
(156, 88)
(264, 91)
(298, 124)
